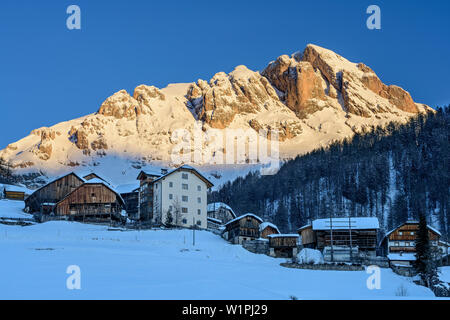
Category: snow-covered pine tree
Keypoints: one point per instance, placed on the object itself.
(425, 264)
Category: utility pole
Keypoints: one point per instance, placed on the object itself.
(331, 238)
(193, 231)
(350, 230)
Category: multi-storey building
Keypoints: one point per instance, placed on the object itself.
(177, 197)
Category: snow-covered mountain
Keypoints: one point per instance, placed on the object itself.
(310, 98)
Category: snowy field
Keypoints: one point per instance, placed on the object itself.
(163, 264)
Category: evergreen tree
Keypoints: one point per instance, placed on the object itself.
(424, 264)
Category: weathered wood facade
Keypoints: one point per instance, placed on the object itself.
(243, 228)
(91, 201)
(52, 192)
(283, 245)
(355, 232)
(14, 195)
(308, 236)
(399, 244)
(266, 229)
(146, 194)
(131, 203)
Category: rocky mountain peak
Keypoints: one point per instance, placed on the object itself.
(309, 98)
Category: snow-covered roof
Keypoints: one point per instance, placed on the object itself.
(304, 227)
(14, 188)
(246, 215)
(97, 181)
(412, 222)
(217, 205)
(214, 220)
(264, 225)
(402, 257)
(357, 223)
(288, 235)
(127, 188)
(186, 167)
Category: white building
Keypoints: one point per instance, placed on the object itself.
(179, 198)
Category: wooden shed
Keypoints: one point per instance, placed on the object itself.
(266, 229)
(94, 200)
(308, 236)
(14, 194)
(283, 245)
(243, 228)
(52, 192)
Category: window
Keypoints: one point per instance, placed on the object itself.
(400, 233)
(184, 210)
(199, 212)
(184, 221)
(184, 176)
(184, 198)
(199, 223)
(185, 186)
(199, 200)
(199, 188)
(170, 208)
(170, 184)
(170, 196)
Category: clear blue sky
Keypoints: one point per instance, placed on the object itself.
(50, 74)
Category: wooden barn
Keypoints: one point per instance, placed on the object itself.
(358, 232)
(92, 175)
(146, 194)
(399, 244)
(131, 203)
(11, 193)
(283, 245)
(94, 200)
(52, 192)
(243, 228)
(266, 229)
(219, 214)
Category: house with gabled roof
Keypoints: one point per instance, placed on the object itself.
(43, 198)
(399, 243)
(243, 228)
(94, 200)
(219, 213)
(359, 233)
(174, 198)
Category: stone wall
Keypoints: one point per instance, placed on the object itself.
(257, 246)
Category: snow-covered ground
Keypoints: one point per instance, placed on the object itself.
(444, 274)
(164, 264)
(13, 209)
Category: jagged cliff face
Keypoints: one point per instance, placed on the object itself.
(310, 98)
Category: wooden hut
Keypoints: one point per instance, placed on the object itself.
(52, 192)
(94, 200)
(308, 236)
(13, 194)
(283, 245)
(243, 228)
(266, 229)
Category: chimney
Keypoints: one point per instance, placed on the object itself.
(163, 171)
